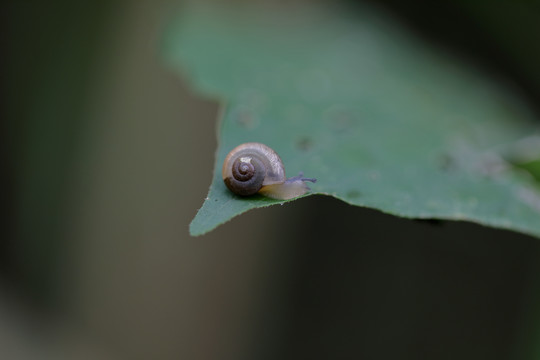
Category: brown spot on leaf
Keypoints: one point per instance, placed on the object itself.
(446, 162)
(304, 143)
(245, 119)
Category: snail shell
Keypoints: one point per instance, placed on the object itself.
(253, 168)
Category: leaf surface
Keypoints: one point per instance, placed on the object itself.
(348, 96)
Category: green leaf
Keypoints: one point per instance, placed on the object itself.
(347, 96)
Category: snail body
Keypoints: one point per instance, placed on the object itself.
(253, 168)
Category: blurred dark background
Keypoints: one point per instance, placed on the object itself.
(106, 155)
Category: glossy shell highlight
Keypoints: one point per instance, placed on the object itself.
(261, 163)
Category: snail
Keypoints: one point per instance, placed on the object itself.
(253, 168)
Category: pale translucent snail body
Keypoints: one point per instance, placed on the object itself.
(253, 168)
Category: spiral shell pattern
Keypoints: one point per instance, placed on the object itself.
(251, 166)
